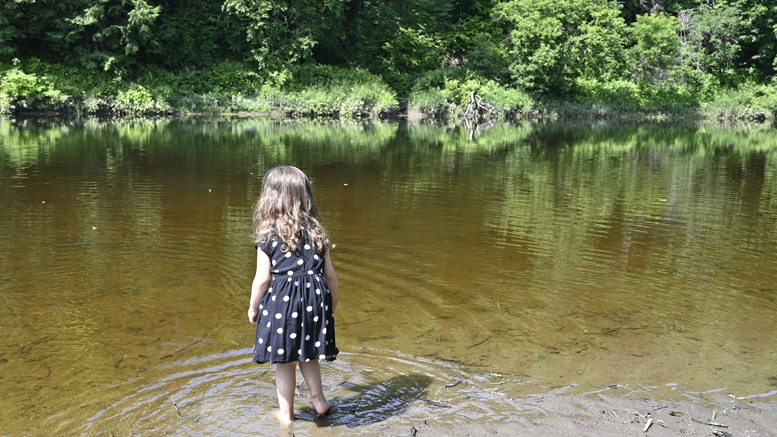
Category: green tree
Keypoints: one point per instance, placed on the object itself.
(195, 34)
(284, 32)
(553, 42)
(8, 31)
(111, 32)
(396, 39)
(97, 34)
(412, 50)
(24, 25)
(656, 47)
(469, 19)
(121, 34)
(757, 30)
(711, 34)
(486, 58)
(410, 32)
(759, 36)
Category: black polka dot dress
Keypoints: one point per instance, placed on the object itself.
(295, 315)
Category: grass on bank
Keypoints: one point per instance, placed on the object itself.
(311, 91)
(325, 91)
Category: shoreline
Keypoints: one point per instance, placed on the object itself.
(410, 117)
(553, 415)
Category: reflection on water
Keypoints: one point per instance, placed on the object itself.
(476, 273)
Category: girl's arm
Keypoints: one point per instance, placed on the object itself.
(331, 279)
(260, 284)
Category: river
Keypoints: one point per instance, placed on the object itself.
(632, 258)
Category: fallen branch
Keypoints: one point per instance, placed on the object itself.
(479, 343)
(710, 423)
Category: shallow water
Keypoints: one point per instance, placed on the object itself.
(537, 258)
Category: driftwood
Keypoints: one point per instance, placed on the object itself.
(477, 109)
(710, 423)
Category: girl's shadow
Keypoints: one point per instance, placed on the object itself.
(374, 403)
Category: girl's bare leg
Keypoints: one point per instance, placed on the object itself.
(312, 374)
(286, 382)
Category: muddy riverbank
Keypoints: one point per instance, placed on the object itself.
(554, 415)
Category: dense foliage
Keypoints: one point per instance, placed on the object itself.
(351, 57)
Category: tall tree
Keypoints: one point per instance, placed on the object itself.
(656, 47)
(552, 42)
(8, 31)
(712, 38)
(24, 25)
(106, 34)
(196, 34)
(759, 36)
(405, 30)
(284, 32)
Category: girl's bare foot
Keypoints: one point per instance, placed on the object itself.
(284, 418)
(320, 404)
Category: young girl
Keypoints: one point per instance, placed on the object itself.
(294, 294)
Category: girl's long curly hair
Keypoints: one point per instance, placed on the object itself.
(287, 210)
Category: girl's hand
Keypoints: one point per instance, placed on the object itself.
(253, 315)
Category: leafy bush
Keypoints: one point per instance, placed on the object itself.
(137, 99)
(23, 91)
(431, 102)
(318, 90)
(749, 101)
(508, 102)
(617, 93)
(447, 91)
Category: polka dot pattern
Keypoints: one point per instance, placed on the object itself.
(295, 322)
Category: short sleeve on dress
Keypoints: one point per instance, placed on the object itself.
(265, 244)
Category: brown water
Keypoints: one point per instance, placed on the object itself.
(537, 258)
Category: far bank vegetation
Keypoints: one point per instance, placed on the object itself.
(364, 58)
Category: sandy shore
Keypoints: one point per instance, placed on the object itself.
(608, 416)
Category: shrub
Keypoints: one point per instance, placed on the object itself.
(23, 91)
(621, 94)
(445, 92)
(749, 101)
(431, 102)
(320, 90)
